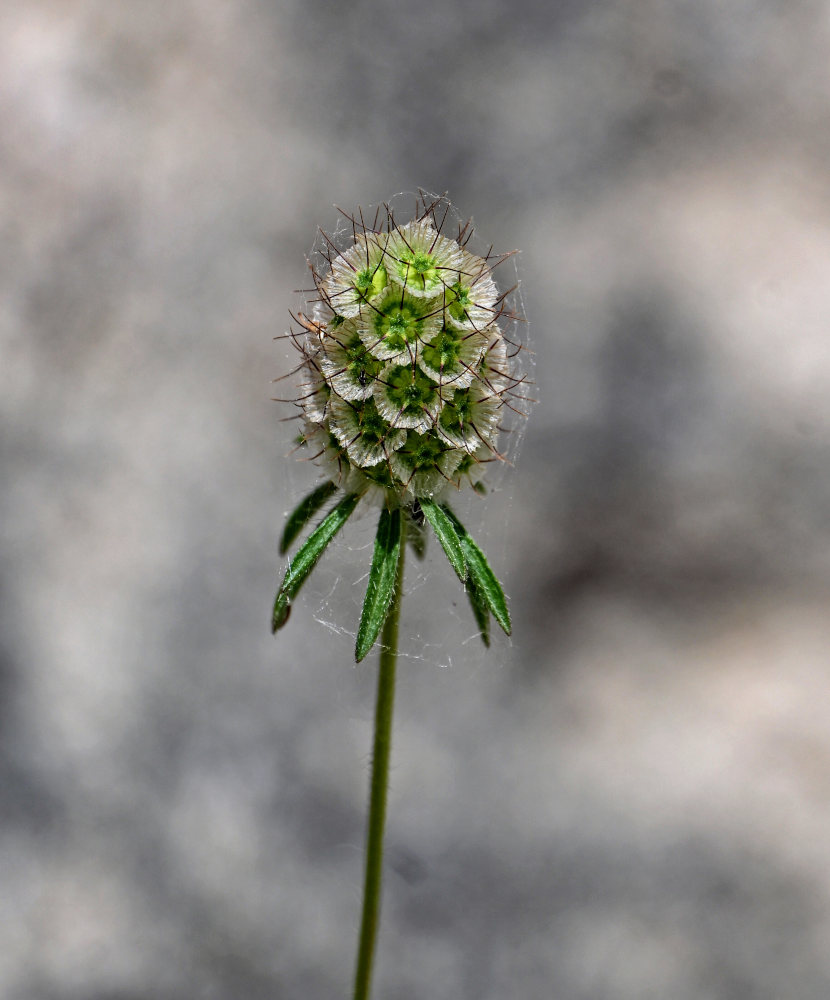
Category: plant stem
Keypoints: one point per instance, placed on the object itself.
(379, 785)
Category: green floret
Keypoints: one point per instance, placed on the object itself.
(457, 302)
(398, 323)
(456, 415)
(423, 451)
(370, 282)
(406, 397)
(443, 353)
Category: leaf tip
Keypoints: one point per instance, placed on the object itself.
(363, 645)
(281, 613)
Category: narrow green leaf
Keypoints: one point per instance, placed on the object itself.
(447, 536)
(381, 585)
(307, 556)
(303, 513)
(481, 574)
(481, 611)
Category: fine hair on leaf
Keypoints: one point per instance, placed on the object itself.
(482, 576)
(447, 535)
(307, 556)
(381, 585)
(481, 611)
(303, 513)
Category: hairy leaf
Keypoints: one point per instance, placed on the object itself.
(481, 611)
(480, 573)
(307, 556)
(381, 586)
(447, 536)
(303, 513)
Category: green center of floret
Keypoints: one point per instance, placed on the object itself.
(443, 353)
(458, 301)
(456, 414)
(361, 367)
(423, 262)
(369, 282)
(418, 269)
(398, 324)
(422, 452)
(409, 389)
(373, 428)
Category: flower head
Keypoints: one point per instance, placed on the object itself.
(406, 352)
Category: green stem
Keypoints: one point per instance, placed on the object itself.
(379, 785)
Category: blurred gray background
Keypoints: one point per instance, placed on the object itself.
(630, 801)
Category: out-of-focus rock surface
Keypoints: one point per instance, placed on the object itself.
(629, 802)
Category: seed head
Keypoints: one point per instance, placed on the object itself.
(406, 370)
